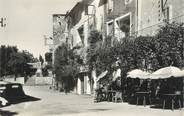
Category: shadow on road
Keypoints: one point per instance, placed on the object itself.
(99, 109)
(167, 107)
(17, 100)
(7, 113)
(26, 98)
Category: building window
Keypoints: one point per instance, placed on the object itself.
(89, 10)
(123, 26)
(127, 2)
(110, 6)
(167, 13)
(81, 33)
(110, 28)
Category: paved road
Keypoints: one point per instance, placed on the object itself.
(53, 103)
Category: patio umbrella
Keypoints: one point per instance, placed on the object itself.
(180, 74)
(166, 72)
(137, 73)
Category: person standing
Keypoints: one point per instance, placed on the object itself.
(65, 88)
(117, 71)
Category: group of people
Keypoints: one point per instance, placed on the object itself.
(114, 84)
(129, 87)
(155, 88)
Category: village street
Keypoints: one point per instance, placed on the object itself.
(54, 103)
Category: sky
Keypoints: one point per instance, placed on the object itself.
(27, 21)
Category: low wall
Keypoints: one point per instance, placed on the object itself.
(43, 80)
(18, 80)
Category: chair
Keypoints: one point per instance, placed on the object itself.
(117, 97)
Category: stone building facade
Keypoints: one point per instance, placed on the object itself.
(152, 13)
(116, 18)
(121, 16)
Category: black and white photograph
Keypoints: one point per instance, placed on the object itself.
(91, 57)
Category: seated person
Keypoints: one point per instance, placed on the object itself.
(144, 86)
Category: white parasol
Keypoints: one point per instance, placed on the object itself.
(166, 72)
(137, 73)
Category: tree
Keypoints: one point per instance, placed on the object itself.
(6, 52)
(66, 66)
(48, 57)
(14, 62)
(29, 58)
(95, 41)
(164, 49)
(146, 53)
(45, 72)
(169, 44)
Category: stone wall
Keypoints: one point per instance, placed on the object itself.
(43, 80)
(20, 80)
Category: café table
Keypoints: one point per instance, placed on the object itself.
(173, 97)
(143, 94)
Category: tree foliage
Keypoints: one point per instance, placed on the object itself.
(169, 45)
(14, 62)
(48, 57)
(66, 66)
(144, 52)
